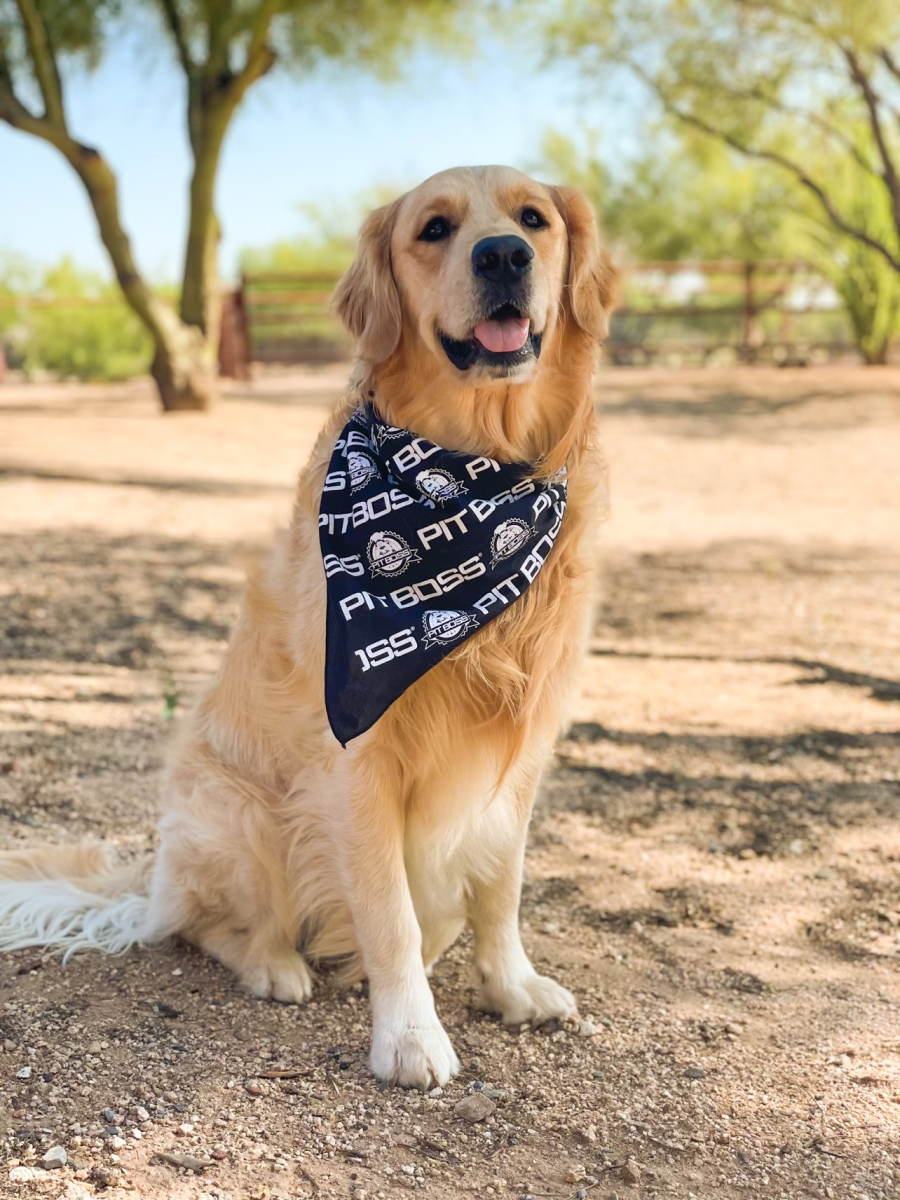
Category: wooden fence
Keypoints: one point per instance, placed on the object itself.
(767, 311)
(670, 312)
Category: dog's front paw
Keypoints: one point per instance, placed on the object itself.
(533, 998)
(418, 1056)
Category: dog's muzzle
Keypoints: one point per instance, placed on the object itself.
(503, 340)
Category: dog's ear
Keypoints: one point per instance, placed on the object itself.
(366, 298)
(590, 291)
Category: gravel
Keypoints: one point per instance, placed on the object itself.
(699, 728)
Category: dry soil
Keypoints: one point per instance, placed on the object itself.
(714, 861)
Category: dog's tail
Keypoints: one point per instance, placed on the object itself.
(72, 898)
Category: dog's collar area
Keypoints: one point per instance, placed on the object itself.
(470, 352)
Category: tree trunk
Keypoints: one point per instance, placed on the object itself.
(183, 369)
(209, 113)
(184, 363)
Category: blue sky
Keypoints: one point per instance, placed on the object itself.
(324, 141)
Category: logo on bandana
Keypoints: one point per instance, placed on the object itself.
(509, 537)
(437, 484)
(361, 469)
(385, 433)
(390, 554)
(442, 625)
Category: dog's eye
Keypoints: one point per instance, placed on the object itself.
(532, 219)
(436, 230)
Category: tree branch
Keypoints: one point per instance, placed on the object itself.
(814, 119)
(773, 156)
(889, 61)
(871, 100)
(173, 20)
(43, 61)
(260, 55)
(100, 184)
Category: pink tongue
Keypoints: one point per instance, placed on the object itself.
(502, 337)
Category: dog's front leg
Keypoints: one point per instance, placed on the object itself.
(409, 1045)
(507, 982)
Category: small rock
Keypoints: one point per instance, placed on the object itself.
(587, 1029)
(185, 1129)
(24, 1073)
(74, 1191)
(253, 1089)
(55, 1157)
(475, 1107)
(695, 1073)
(111, 1117)
(218, 1153)
(95, 1048)
(117, 1143)
(140, 1113)
(102, 1177)
(187, 1161)
(631, 1172)
(21, 1175)
(733, 1028)
(574, 1174)
(588, 1135)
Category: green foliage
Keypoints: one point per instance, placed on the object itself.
(810, 86)
(868, 286)
(685, 197)
(330, 242)
(78, 28)
(809, 89)
(70, 322)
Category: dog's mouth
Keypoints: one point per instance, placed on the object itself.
(503, 341)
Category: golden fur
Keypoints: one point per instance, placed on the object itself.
(272, 837)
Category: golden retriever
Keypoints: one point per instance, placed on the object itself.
(278, 847)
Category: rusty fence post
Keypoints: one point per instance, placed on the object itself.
(749, 332)
(234, 356)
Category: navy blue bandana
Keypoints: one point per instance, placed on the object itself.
(422, 547)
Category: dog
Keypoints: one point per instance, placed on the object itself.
(477, 301)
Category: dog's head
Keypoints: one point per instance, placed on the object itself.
(485, 269)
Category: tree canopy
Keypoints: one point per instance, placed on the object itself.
(805, 85)
(223, 47)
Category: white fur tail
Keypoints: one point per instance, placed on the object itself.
(69, 899)
(57, 914)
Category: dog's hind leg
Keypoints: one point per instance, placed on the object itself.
(266, 965)
(234, 905)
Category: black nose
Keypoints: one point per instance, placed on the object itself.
(502, 259)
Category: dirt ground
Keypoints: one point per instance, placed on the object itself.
(713, 866)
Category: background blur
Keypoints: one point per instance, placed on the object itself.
(743, 160)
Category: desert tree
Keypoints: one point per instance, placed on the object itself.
(811, 87)
(223, 47)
